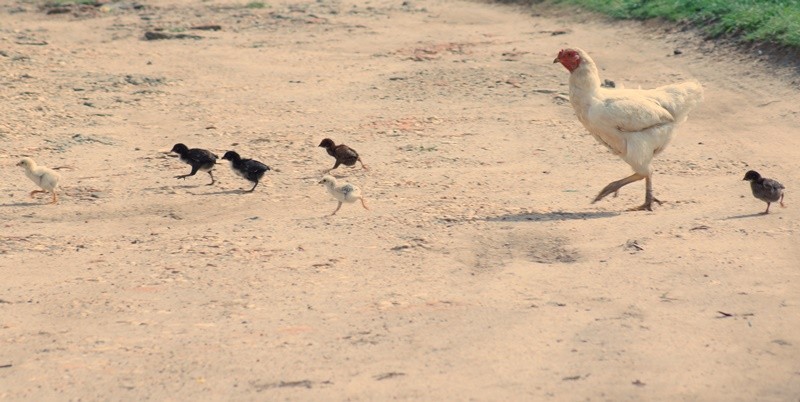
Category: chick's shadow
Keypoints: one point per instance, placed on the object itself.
(753, 215)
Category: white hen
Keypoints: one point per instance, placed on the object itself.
(45, 178)
(344, 192)
(635, 124)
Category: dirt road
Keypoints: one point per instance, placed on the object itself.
(482, 271)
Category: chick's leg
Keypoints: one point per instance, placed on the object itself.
(335, 165)
(648, 197)
(251, 190)
(37, 191)
(364, 204)
(782, 206)
(614, 186)
(55, 197)
(337, 208)
(767, 211)
(184, 176)
(212, 179)
(363, 166)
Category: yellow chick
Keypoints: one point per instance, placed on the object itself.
(45, 178)
(344, 192)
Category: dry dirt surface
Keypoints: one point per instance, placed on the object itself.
(481, 272)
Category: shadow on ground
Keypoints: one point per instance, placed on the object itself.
(745, 216)
(221, 192)
(21, 204)
(551, 216)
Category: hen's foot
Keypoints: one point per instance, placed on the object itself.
(647, 206)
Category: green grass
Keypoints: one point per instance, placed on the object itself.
(776, 21)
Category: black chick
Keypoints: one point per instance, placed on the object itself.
(764, 189)
(250, 169)
(343, 154)
(199, 159)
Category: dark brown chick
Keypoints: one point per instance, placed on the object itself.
(344, 155)
(764, 189)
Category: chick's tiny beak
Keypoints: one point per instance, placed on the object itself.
(555, 61)
(321, 181)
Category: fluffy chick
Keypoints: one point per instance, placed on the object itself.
(344, 155)
(198, 159)
(250, 169)
(344, 192)
(764, 189)
(45, 178)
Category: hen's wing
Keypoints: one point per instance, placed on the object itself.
(632, 113)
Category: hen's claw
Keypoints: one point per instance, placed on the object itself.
(647, 206)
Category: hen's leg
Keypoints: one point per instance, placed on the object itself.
(648, 196)
(337, 209)
(614, 186)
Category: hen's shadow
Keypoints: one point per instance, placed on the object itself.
(234, 191)
(551, 216)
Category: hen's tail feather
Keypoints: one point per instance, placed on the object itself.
(681, 98)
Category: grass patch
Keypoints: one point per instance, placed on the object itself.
(256, 4)
(776, 21)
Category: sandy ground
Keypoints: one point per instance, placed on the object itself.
(482, 271)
